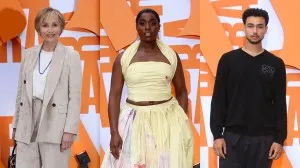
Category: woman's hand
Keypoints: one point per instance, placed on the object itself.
(67, 141)
(116, 145)
(13, 136)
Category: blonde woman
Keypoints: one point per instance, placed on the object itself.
(48, 98)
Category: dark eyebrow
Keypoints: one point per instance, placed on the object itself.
(251, 24)
(152, 19)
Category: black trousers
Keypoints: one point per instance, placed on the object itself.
(246, 151)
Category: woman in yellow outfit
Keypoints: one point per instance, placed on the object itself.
(151, 130)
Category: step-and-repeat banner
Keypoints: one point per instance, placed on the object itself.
(99, 30)
(221, 29)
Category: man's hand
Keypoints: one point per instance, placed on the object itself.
(67, 141)
(275, 151)
(220, 147)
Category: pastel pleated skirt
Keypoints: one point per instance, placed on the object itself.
(155, 136)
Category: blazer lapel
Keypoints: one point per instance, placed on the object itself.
(54, 72)
(29, 71)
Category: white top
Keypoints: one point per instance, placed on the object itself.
(40, 74)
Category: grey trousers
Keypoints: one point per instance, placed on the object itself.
(35, 154)
(246, 151)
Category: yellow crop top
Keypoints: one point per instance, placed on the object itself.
(151, 80)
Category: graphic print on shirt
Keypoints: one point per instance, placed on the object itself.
(267, 71)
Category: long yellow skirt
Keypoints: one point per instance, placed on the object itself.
(155, 136)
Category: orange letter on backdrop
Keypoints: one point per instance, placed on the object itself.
(287, 13)
(12, 18)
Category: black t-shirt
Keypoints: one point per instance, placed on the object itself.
(249, 96)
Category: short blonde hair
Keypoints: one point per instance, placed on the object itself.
(44, 14)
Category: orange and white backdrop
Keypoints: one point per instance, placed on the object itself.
(221, 29)
(98, 30)
(199, 30)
